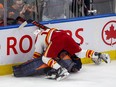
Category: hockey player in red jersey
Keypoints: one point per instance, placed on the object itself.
(51, 41)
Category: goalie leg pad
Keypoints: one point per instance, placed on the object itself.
(31, 67)
(68, 64)
(78, 63)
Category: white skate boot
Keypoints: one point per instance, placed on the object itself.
(98, 57)
(97, 61)
(61, 74)
(105, 58)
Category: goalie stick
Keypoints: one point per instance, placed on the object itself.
(33, 22)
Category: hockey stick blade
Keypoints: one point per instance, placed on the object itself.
(22, 25)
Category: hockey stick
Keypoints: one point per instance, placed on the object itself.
(33, 22)
(38, 24)
(22, 25)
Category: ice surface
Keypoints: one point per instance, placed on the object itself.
(90, 75)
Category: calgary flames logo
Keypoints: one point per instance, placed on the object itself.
(109, 33)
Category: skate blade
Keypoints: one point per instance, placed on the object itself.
(62, 77)
(51, 77)
(107, 60)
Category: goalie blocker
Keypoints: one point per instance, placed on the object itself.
(37, 67)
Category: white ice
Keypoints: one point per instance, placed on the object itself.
(90, 75)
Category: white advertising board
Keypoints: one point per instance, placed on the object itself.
(16, 45)
(98, 34)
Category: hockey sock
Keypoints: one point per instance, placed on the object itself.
(50, 62)
(85, 53)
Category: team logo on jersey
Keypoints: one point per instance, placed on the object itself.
(109, 33)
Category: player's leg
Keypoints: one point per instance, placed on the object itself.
(51, 53)
(30, 67)
(73, 48)
(71, 63)
(60, 73)
(96, 56)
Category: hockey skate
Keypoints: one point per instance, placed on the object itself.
(105, 58)
(51, 74)
(98, 57)
(97, 61)
(58, 75)
(62, 73)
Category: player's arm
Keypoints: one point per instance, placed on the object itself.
(38, 47)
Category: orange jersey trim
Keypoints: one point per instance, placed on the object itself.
(51, 63)
(36, 55)
(89, 53)
(45, 54)
(48, 35)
